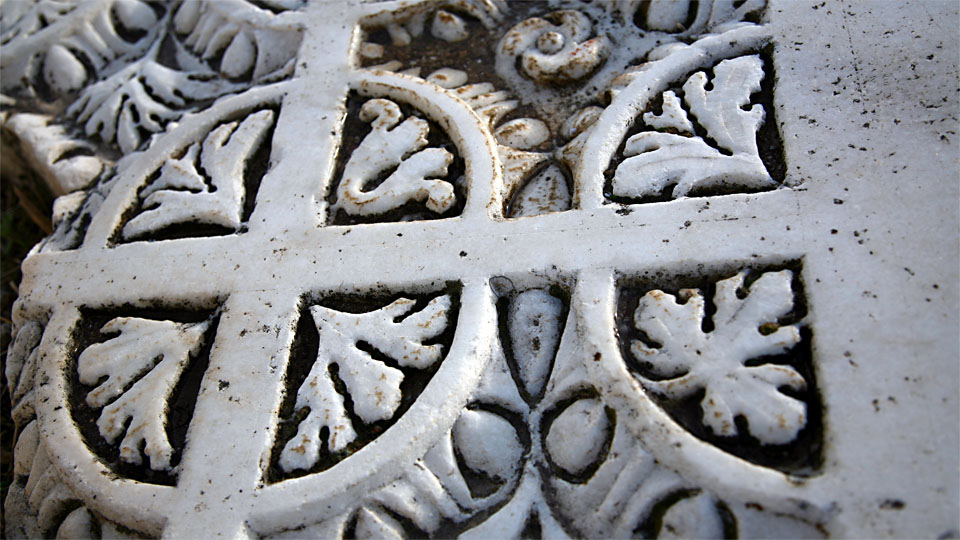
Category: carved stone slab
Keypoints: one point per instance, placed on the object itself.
(462, 268)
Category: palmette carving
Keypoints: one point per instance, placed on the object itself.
(121, 108)
(537, 449)
(144, 64)
(144, 96)
(180, 194)
(372, 385)
(97, 32)
(152, 353)
(249, 42)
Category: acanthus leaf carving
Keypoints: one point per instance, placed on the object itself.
(672, 116)
(251, 43)
(180, 194)
(64, 163)
(71, 213)
(373, 386)
(400, 147)
(527, 453)
(141, 367)
(120, 49)
(655, 160)
(723, 110)
(558, 460)
(515, 444)
(21, 19)
(716, 361)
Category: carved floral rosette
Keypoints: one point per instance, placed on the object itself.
(230, 362)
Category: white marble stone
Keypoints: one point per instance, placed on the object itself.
(475, 269)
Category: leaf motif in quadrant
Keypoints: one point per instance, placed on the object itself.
(671, 153)
(140, 99)
(398, 153)
(249, 42)
(716, 361)
(134, 375)
(182, 194)
(356, 378)
(199, 51)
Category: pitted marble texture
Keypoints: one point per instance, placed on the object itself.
(470, 268)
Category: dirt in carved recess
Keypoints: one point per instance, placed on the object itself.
(803, 456)
(769, 141)
(429, 54)
(303, 355)
(181, 404)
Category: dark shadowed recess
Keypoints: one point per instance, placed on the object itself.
(476, 56)
(181, 404)
(303, 355)
(652, 525)
(801, 457)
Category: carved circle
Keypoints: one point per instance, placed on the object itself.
(556, 49)
(144, 506)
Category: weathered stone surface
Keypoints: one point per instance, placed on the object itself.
(468, 268)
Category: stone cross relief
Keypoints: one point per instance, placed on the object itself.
(427, 268)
